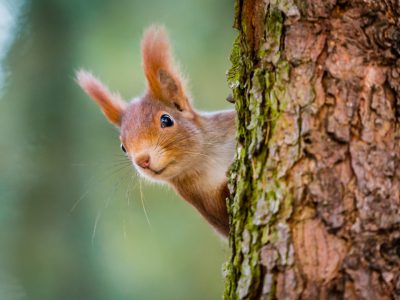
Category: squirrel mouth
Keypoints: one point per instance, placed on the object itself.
(158, 172)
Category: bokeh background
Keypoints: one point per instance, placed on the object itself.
(72, 216)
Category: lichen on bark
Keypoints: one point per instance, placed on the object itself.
(257, 77)
(315, 184)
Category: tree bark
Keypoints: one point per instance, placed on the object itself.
(315, 185)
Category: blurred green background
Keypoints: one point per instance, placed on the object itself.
(72, 223)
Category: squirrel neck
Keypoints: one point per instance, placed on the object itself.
(204, 185)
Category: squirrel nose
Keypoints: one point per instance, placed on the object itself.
(143, 161)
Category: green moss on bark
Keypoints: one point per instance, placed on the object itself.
(315, 168)
(259, 204)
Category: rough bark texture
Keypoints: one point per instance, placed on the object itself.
(315, 205)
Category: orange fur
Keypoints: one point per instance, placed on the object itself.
(193, 154)
(164, 80)
(111, 104)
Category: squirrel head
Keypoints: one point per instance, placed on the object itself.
(159, 131)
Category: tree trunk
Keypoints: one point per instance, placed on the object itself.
(315, 204)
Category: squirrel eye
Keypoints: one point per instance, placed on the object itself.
(166, 121)
(123, 148)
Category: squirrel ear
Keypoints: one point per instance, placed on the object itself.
(164, 81)
(111, 104)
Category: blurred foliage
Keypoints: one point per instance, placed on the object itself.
(72, 222)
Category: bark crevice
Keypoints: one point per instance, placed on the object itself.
(315, 186)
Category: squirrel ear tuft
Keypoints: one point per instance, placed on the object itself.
(111, 104)
(164, 80)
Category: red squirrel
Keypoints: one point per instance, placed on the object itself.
(166, 139)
